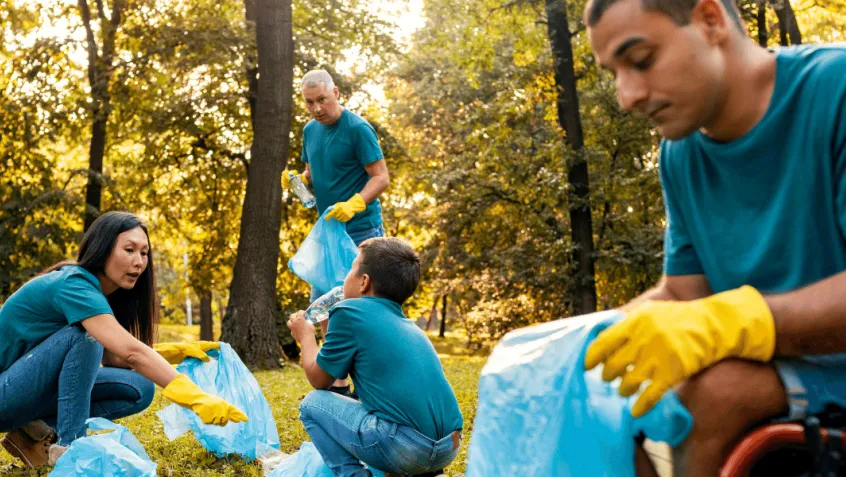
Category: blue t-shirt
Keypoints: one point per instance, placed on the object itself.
(767, 209)
(336, 155)
(394, 366)
(43, 306)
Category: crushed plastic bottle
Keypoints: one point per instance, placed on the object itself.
(319, 310)
(298, 186)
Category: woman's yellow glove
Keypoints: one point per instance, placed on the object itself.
(174, 353)
(210, 408)
(667, 342)
(344, 211)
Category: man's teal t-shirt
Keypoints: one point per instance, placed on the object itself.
(43, 306)
(395, 368)
(336, 155)
(767, 209)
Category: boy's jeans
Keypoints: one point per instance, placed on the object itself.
(61, 382)
(345, 434)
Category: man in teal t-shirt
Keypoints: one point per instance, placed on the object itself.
(408, 420)
(747, 322)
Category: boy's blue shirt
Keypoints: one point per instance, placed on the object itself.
(767, 209)
(395, 368)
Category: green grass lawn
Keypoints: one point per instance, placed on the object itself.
(284, 390)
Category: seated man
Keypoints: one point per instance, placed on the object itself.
(748, 321)
(408, 421)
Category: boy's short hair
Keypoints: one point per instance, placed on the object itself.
(393, 267)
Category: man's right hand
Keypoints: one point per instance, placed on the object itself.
(288, 175)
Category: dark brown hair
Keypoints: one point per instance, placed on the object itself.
(393, 267)
(678, 10)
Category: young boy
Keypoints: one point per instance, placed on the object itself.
(408, 421)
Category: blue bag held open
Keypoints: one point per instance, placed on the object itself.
(325, 256)
(554, 419)
(225, 376)
(114, 454)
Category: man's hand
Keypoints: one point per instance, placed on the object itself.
(666, 342)
(299, 326)
(288, 175)
(344, 211)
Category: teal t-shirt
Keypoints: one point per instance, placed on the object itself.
(767, 209)
(337, 155)
(43, 306)
(395, 368)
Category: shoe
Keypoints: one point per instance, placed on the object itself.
(344, 391)
(34, 454)
(56, 451)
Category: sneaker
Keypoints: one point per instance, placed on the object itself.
(33, 453)
(344, 391)
(56, 451)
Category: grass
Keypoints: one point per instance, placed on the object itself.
(284, 389)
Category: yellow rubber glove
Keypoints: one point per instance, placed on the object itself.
(288, 175)
(667, 342)
(174, 353)
(211, 409)
(344, 211)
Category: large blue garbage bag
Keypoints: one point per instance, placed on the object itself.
(307, 462)
(226, 376)
(114, 454)
(540, 414)
(325, 256)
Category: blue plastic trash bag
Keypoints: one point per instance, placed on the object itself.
(541, 414)
(307, 462)
(225, 376)
(114, 454)
(325, 256)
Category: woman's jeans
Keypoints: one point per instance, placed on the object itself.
(61, 382)
(346, 435)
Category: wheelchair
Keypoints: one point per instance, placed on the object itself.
(813, 448)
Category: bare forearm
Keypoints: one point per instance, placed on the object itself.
(113, 361)
(308, 353)
(151, 365)
(674, 288)
(374, 188)
(811, 320)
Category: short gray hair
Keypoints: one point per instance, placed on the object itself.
(314, 77)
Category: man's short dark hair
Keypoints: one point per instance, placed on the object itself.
(393, 267)
(678, 10)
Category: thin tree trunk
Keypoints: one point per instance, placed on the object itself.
(433, 313)
(762, 23)
(206, 323)
(579, 192)
(788, 29)
(442, 331)
(99, 76)
(250, 321)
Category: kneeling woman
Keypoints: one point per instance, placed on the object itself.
(58, 328)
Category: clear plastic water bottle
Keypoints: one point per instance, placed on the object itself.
(296, 184)
(319, 310)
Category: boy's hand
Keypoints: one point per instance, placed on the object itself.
(299, 326)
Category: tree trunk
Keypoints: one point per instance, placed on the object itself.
(250, 64)
(99, 75)
(433, 314)
(442, 331)
(579, 191)
(762, 23)
(206, 322)
(250, 321)
(788, 29)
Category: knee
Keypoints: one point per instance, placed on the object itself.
(309, 403)
(146, 390)
(731, 396)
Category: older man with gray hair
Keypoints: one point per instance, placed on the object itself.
(344, 164)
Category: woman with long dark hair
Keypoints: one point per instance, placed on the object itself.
(58, 328)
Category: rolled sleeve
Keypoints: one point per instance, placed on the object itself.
(78, 299)
(367, 147)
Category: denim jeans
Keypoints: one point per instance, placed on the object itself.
(61, 382)
(346, 435)
(357, 238)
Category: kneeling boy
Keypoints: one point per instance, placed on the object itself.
(408, 421)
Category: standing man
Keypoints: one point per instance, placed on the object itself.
(748, 322)
(345, 166)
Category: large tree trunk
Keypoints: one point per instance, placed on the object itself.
(584, 296)
(99, 75)
(788, 29)
(761, 18)
(206, 322)
(250, 63)
(250, 321)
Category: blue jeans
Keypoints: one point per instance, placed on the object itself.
(346, 435)
(357, 238)
(814, 384)
(61, 382)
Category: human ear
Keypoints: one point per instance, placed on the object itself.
(713, 19)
